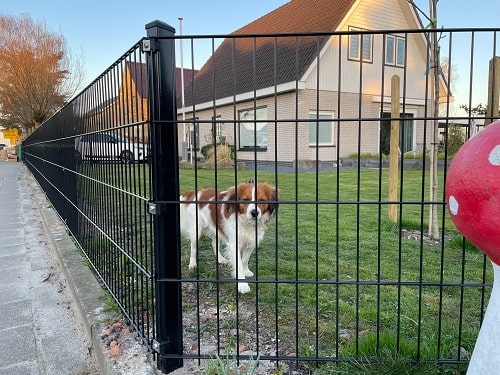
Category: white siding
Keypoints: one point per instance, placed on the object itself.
(372, 78)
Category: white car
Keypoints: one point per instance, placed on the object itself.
(109, 147)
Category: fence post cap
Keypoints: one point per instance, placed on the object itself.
(155, 28)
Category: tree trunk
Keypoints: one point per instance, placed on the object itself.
(433, 182)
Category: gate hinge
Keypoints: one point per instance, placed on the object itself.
(148, 45)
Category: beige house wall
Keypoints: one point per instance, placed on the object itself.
(288, 135)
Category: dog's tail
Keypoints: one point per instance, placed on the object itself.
(183, 215)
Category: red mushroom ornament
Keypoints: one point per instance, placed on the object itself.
(473, 197)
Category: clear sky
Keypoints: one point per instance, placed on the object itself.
(103, 30)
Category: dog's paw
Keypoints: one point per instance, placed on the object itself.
(248, 273)
(243, 288)
(223, 260)
(192, 265)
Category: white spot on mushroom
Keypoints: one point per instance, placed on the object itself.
(453, 203)
(494, 156)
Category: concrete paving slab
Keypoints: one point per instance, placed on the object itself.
(17, 345)
(22, 368)
(14, 274)
(11, 261)
(16, 313)
(11, 230)
(14, 292)
(11, 249)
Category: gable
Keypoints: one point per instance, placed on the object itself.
(137, 73)
(259, 56)
(242, 65)
(381, 15)
(372, 15)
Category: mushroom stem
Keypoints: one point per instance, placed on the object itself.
(485, 358)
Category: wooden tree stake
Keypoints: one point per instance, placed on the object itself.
(394, 149)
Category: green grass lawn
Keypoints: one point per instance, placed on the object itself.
(334, 278)
(337, 279)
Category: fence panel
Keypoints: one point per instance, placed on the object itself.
(337, 282)
(92, 160)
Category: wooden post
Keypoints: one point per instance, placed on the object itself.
(493, 90)
(394, 149)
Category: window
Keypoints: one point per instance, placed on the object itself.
(193, 134)
(395, 47)
(360, 46)
(253, 128)
(217, 129)
(320, 129)
(406, 133)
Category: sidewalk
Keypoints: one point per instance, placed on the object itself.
(41, 331)
(53, 311)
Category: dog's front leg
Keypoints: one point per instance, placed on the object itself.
(192, 258)
(238, 269)
(216, 246)
(193, 239)
(245, 257)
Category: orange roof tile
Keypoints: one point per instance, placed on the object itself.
(245, 64)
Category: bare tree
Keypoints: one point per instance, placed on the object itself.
(433, 180)
(38, 74)
(477, 111)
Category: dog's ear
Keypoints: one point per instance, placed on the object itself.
(273, 206)
(231, 197)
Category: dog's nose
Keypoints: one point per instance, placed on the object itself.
(254, 213)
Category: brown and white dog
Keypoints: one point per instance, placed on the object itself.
(237, 217)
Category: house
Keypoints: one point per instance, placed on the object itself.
(133, 99)
(320, 93)
(128, 105)
(133, 96)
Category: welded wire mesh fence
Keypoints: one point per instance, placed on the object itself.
(336, 278)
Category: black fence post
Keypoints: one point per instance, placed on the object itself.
(165, 193)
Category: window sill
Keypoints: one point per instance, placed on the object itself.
(252, 149)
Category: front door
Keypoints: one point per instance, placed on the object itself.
(405, 133)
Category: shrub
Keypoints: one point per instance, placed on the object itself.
(206, 149)
(225, 152)
(456, 138)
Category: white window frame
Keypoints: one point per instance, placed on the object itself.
(313, 121)
(193, 134)
(218, 129)
(357, 51)
(397, 44)
(255, 121)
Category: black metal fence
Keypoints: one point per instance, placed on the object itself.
(346, 272)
